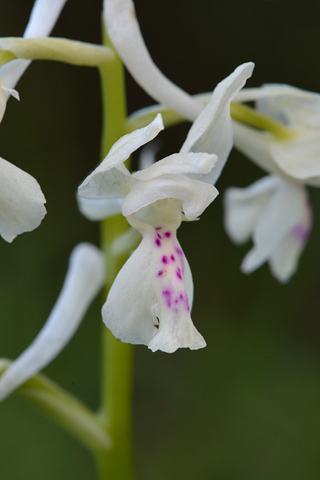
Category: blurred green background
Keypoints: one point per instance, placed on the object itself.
(247, 407)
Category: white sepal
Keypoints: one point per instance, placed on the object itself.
(124, 31)
(21, 201)
(111, 179)
(83, 281)
(212, 130)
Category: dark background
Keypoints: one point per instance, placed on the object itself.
(247, 407)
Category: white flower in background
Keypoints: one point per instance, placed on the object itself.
(150, 300)
(276, 211)
(84, 279)
(21, 199)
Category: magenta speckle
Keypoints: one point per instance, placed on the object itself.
(178, 273)
(172, 258)
(179, 251)
(167, 234)
(160, 273)
(158, 242)
(158, 228)
(181, 296)
(164, 259)
(167, 295)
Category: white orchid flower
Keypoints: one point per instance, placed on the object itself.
(83, 281)
(150, 300)
(295, 151)
(276, 213)
(22, 201)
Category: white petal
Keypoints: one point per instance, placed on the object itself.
(284, 261)
(212, 130)
(300, 158)
(84, 279)
(96, 210)
(243, 206)
(43, 17)
(124, 31)
(281, 216)
(179, 163)
(293, 107)
(21, 201)
(195, 195)
(111, 179)
(267, 90)
(257, 146)
(149, 302)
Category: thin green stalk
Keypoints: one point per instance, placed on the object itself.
(116, 369)
(64, 409)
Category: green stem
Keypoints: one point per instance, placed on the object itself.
(116, 375)
(64, 409)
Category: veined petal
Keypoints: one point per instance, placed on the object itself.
(212, 130)
(243, 206)
(21, 201)
(179, 163)
(149, 302)
(84, 279)
(194, 195)
(111, 179)
(124, 31)
(98, 209)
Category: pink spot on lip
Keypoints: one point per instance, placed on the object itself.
(179, 251)
(164, 259)
(158, 242)
(160, 273)
(158, 228)
(172, 258)
(178, 273)
(167, 295)
(167, 234)
(301, 232)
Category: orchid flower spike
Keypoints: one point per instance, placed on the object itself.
(83, 281)
(22, 201)
(276, 210)
(150, 301)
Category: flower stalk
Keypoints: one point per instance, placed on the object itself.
(116, 368)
